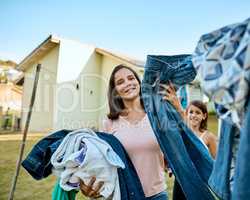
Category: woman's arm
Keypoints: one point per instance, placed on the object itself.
(106, 126)
(212, 144)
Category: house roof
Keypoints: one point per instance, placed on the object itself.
(121, 57)
(39, 52)
(53, 41)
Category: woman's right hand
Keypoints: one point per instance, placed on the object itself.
(89, 190)
(169, 94)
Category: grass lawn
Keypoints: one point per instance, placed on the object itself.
(27, 187)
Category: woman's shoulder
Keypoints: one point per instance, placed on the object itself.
(106, 120)
(211, 136)
(108, 125)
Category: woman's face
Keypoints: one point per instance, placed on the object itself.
(126, 84)
(195, 116)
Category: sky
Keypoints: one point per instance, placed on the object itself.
(134, 28)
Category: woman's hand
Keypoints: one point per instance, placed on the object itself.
(169, 94)
(167, 169)
(170, 173)
(89, 191)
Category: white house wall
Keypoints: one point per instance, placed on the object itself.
(42, 115)
(72, 57)
(77, 108)
(107, 66)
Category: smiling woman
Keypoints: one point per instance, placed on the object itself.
(196, 117)
(128, 122)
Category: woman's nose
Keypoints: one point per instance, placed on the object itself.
(192, 115)
(127, 83)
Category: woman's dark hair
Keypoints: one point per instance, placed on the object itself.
(202, 106)
(116, 105)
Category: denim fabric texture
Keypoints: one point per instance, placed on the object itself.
(189, 159)
(160, 196)
(177, 192)
(182, 94)
(241, 189)
(38, 161)
(219, 180)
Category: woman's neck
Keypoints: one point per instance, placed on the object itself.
(133, 107)
(196, 130)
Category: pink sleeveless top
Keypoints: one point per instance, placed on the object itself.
(143, 150)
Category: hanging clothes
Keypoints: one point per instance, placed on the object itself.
(187, 156)
(222, 60)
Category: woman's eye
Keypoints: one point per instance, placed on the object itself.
(119, 82)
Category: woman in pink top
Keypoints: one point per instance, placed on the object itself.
(128, 122)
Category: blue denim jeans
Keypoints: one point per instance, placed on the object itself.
(219, 179)
(241, 189)
(186, 155)
(229, 177)
(160, 196)
(37, 162)
(177, 192)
